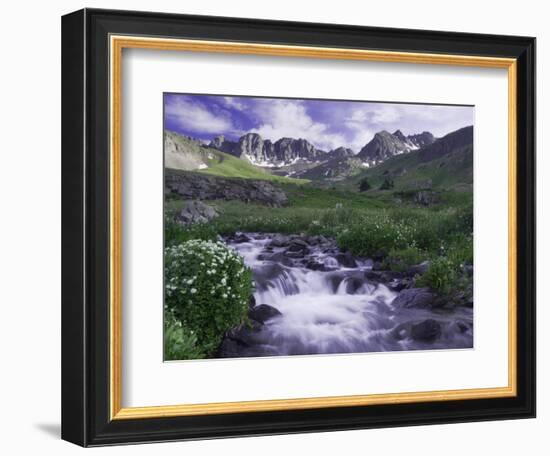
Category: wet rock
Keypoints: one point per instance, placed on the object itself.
(279, 240)
(195, 212)
(277, 257)
(462, 327)
(464, 297)
(400, 284)
(315, 265)
(266, 273)
(251, 302)
(420, 298)
(239, 238)
(296, 255)
(345, 281)
(373, 275)
(353, 284)
(237, 340)
(316, 240)
(469, 269)
(427, 331)
(401, 331)
(263, 313)
(346, 259)
(298, 245)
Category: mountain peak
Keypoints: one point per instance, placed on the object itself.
(399, 134)
(260, 152)
(385, 145)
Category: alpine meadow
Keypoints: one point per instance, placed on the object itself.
(316, 227)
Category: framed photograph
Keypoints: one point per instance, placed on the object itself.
(279, 227)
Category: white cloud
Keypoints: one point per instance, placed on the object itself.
(368, 118)
(232, 102)
(194, 117)
(289, 118)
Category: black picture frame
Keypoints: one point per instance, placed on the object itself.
(85, 228)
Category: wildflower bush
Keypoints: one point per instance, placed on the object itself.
(207, 292)
(376, 232)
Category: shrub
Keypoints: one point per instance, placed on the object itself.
(207, 289)
(179, 341)
(461, 250)
(387, 184)
(364, 185)
(442, 275)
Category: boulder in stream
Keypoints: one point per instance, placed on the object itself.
(263, 313)
(419, 298)
(426, 331)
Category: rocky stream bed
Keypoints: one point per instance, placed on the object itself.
(313, 298)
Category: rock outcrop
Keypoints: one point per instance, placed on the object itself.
(188, 185)
(195, 212)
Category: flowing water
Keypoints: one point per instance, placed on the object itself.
(336, 309)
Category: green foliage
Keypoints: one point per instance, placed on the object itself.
(374, 233)
(176, 233)
(207, 289)
(364, 185)
(442, 275)
(179, 341)
(387, 184)
(402, 259)
(451, 171)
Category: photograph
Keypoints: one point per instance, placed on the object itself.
(276, 225)
(316, 227)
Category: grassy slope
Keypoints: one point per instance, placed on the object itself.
(226, 165)
(450, 171)
(219, 163)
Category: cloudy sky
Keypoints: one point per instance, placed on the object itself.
(326, 124)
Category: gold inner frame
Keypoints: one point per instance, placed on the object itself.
(117, 44)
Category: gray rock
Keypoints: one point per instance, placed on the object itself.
(427, 198)
(420, 298)
(279, 240)
(315, 265)
(346, 259)
(189, 185)
(400, 284)
(427, 331)
(298, 246)
(263, 313)
(195, 212)
(239, 238)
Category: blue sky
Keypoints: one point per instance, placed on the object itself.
(326, 124)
